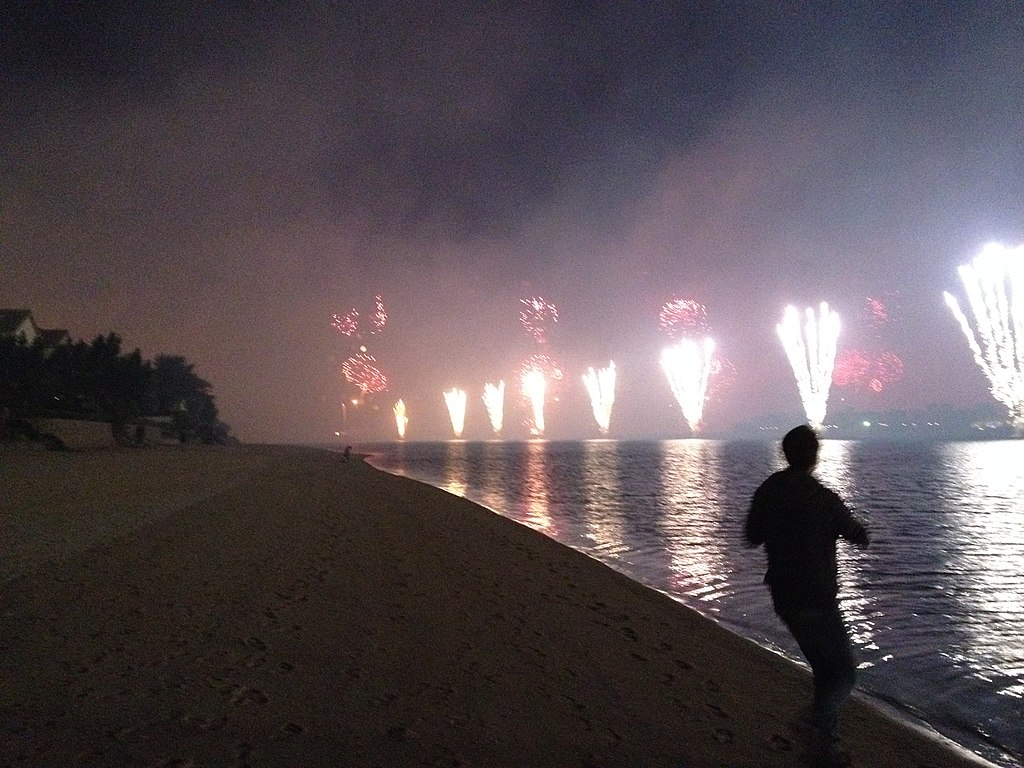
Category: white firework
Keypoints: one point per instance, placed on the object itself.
(687, 366)
(994, 283)
(455, 399)
(600, 386)
(494, 402)
(401, 420)
(811, 350)
(535, 386)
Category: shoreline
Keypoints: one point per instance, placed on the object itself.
(653, 550)
(271, 605)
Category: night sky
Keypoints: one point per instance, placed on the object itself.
(216, 180)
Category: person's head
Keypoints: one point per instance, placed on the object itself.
(800, 447)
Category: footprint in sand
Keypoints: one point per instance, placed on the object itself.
(243, 695)
(724, 736)
(289, 730)
(717, 711)
(780, 743)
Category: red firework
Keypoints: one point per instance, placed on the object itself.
(361, 369)
(722, 376)
(536, 316)
(683, 317)
(866, 370)
(876, 311)
(380, 317)
(347, 324)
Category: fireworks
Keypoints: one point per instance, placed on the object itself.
(723, 375)
(600, 386)
(401, 420)
(380, 317)
(812, 354)
(876, 311)
(455, 399)
(361, 370)
(348, 324)
(543, 363)
(536, 316)
(534, 387)
(538, 374)
(687, 366)
(994, 282)
(683, 317)
(494, 402)
(864, 370)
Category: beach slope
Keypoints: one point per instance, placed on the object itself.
(263, 606)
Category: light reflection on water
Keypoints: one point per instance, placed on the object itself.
(935, 605)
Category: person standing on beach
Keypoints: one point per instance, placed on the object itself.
(799, 520)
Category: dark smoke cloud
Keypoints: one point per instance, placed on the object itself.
(216, 181)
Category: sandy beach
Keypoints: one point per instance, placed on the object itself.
(266, 606)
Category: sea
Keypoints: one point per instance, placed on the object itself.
(935, 605)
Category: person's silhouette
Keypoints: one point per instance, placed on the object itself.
(799, 520)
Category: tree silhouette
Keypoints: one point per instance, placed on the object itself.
(97, 381)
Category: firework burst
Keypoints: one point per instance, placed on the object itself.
(683, 317)
(455, 399)
(535, 386)
(687, 365)
(994, 283)
(362, 371)
(380, 316)
(537, 315)
(494, 402)
(545, 364)
(349, 325)
(856, 368)
(600, 386)
(811, 351)
(401, 419)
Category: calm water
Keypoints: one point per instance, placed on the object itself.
(936, 605)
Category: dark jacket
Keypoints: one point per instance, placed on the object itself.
(799, 520)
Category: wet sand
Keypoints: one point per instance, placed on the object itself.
(263, 606)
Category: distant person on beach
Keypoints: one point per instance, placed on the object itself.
(799, 520)
(347, 452)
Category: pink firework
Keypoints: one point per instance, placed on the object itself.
(380, 317)
(851, 368)
(347, 324)
(859, 369)
(888, 369)
(876, 311)
(722, 376)
(536, 316)
(683, 317)
(362, 371)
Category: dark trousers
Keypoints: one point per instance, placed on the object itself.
(822, 636)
